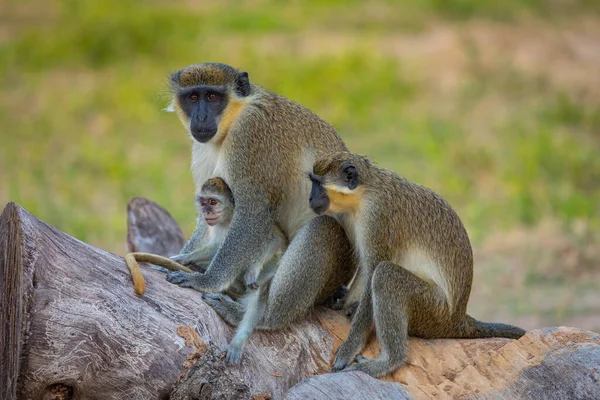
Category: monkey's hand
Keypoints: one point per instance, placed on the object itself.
(251, 278)
(337, 299)
(183, 279)
(183, 258)
(351, 309)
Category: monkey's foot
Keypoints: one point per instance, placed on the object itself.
(227, 308)
(234, 355)
(252, 285)
(377, 368)
(221, 297)
(182, 279)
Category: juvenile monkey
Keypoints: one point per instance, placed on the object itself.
(215, 206)
(416, 262)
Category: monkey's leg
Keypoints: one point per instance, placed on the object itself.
(227, 308)
(362, 324)
(243, 246)
(318, 260)
(254, 310)
(400, 297)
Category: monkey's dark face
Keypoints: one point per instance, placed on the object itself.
(334, 191)
(318, 200)
(203, 106)
(214, 211)
(208, 97)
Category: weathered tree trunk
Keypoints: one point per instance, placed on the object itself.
(151, 229)
(73, 328)
(70, 318)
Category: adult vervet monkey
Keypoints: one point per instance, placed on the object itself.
(416, 261)
(262, 145)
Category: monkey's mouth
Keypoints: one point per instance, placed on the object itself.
(212, 219)
(319, 205)
(320, 209)
(204, 135)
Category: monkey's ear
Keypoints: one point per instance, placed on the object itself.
(170, 107)
(175, 77)
(350, 174)
(242, 84)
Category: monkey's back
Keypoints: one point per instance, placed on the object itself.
(426, 235)
(281, 139)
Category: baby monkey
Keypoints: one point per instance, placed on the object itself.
(216, 206)
(416, 262)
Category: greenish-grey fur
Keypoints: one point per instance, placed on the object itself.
(309, 271)
(398, 218)
(215, 74)
(262, 157)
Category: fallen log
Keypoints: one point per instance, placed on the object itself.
(73, 328)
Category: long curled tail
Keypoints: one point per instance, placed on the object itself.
(472, 329)
(136, 274)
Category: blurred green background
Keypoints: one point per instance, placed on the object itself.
(494, 104)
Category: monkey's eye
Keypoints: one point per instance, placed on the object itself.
(211, 97)
(212, 202)
(194, 98)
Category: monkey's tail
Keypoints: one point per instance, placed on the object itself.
(139, 283)
(473, 329)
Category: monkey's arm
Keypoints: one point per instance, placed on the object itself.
(274, 245)
(244, 245)
(202, 254)
(195, 241)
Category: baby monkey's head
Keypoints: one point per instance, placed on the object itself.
(337, 185)
(215, 202)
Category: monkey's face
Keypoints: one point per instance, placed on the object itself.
(202, 106)
(206, 97)
(318, 200)
(214, 211)
(334, 191)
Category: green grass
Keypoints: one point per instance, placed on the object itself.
(84, 83)
(83, 129)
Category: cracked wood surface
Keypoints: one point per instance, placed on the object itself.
(71, 321)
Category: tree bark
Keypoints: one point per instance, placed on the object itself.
(73, 328)
(70, 319)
